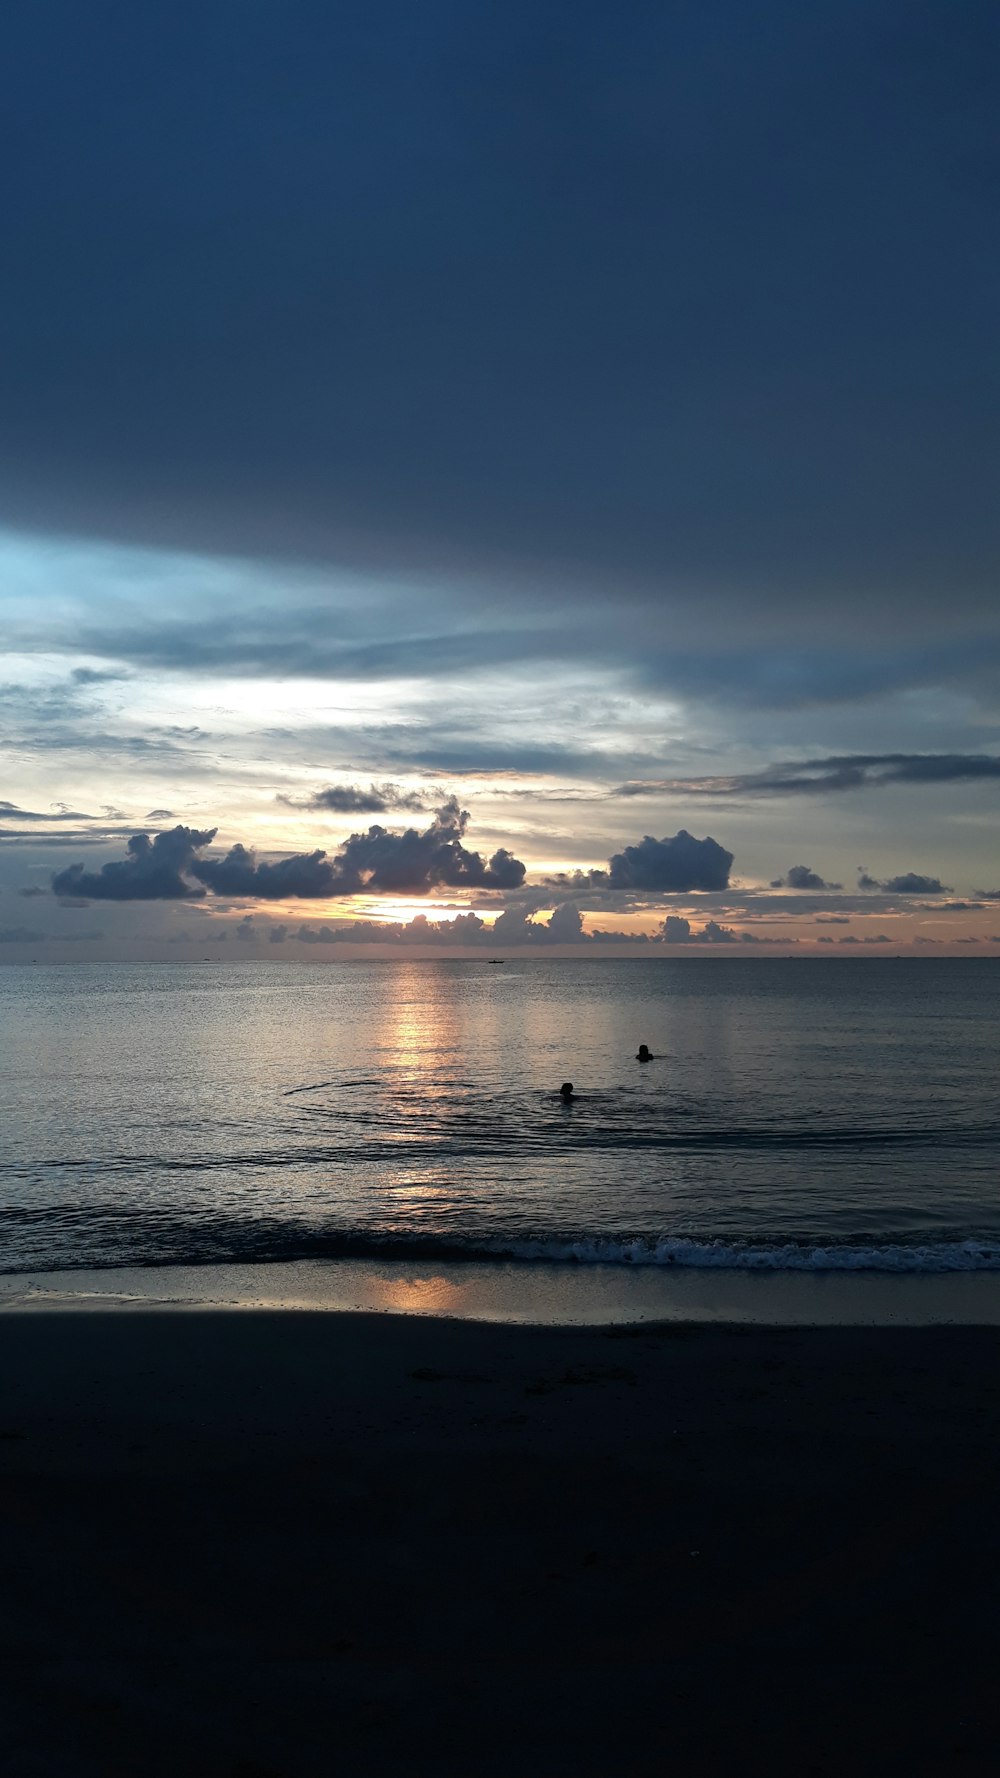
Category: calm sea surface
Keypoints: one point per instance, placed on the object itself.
(815, 1113)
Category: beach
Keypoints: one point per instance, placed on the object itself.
(290, 1543)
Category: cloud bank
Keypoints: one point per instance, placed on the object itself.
(170, 867)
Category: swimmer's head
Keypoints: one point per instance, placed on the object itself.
(566, 1090)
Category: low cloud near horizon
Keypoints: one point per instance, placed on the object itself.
(177, 866)
(173, 866)
(170, 866)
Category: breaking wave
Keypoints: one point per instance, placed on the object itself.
(789, 1256)
(118, 1242)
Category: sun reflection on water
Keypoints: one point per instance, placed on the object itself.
(422, 1034)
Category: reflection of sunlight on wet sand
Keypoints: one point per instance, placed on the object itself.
(416, 1295)
(545, 1295)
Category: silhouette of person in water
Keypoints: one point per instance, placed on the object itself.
(645, 1054)
(566, 1091)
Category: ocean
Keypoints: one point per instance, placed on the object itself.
(822, 1115)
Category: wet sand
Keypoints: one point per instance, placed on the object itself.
(538, 1294)
(281, 1543)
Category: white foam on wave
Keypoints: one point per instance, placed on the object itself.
(675, 1250)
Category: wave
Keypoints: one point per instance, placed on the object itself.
(789, 1256)
(187, 1245)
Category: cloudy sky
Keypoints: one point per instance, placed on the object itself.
(532, 463)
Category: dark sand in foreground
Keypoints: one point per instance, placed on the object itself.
(280, 1543)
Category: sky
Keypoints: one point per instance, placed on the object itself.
(500, 476)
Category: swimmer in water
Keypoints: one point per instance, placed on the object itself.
(645, 1054)
(566, 1091)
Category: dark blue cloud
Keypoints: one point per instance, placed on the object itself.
(413, 862)
(94, 676)
(913, 883)
(310, 875)
(306, 639)
(669, 865)
(564, 927)
(801, 877)
(156, 869)
(675, 293)
(169, 867)
(908, 883)
(676, 930)
(172, 866)
(821, 777)
(444, 747)
(354, 799)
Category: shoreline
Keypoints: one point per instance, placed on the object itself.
(264, 1544)
(533, 1293)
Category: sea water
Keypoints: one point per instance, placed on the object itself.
(820, 1115)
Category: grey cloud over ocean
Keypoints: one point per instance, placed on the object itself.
(662, 642)
(674, 865)
(170, 867)
(303, 642)
(671, 864)
(408, 863)
(799, 876)
(352, 799)
(156, 869)
(619, 235)
(823, 777)
(908, 883)
(677, 930)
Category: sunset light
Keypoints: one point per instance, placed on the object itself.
(499, 889)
